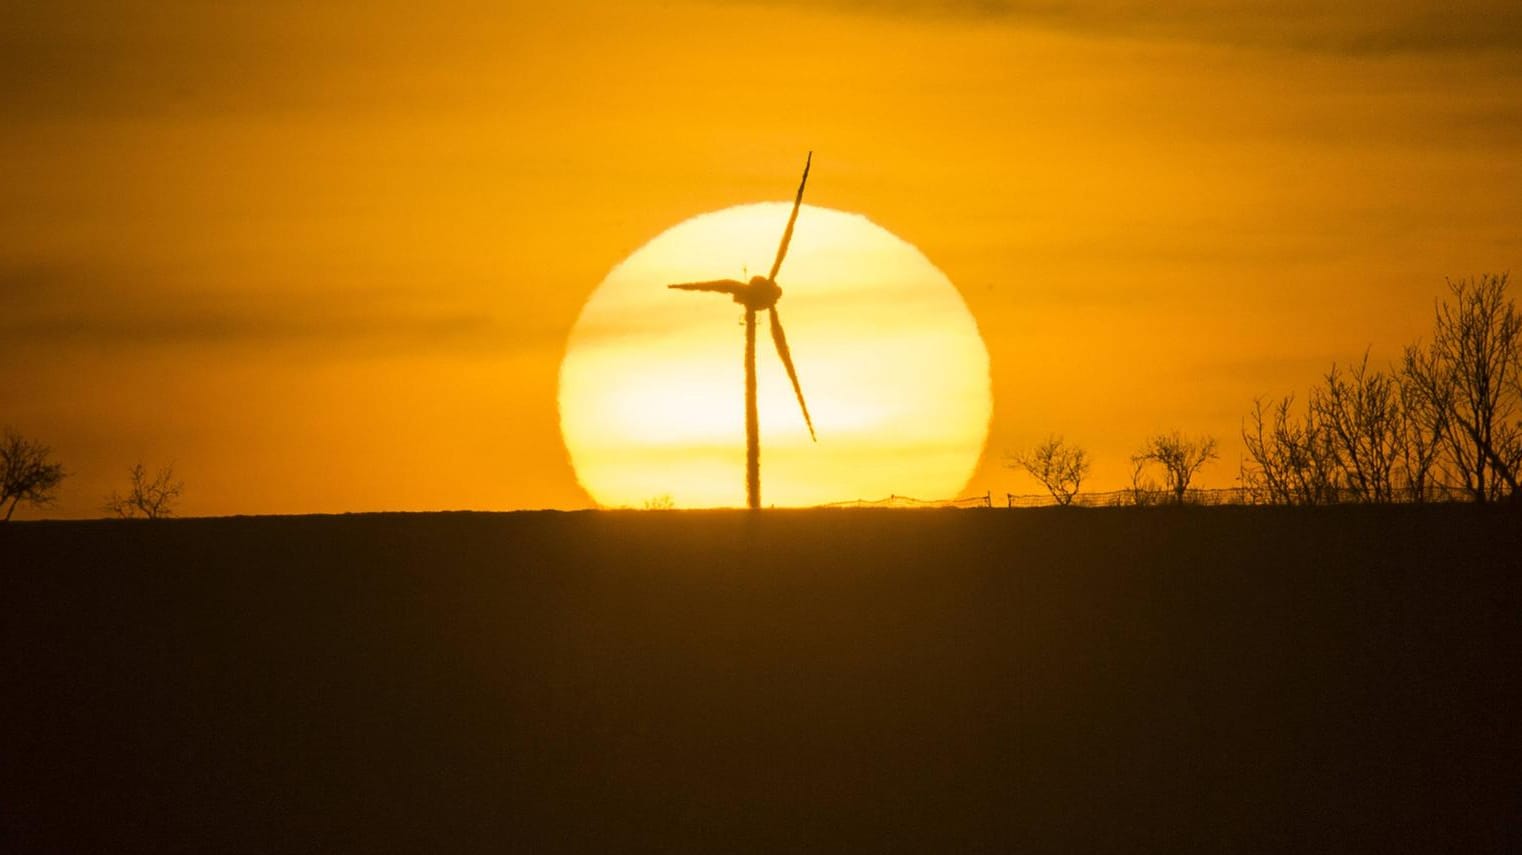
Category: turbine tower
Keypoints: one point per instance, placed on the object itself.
(761, 293)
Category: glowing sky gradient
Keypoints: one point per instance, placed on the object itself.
(327, 257)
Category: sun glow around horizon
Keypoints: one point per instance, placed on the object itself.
(889, 357)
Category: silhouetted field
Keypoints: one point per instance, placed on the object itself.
(1137, 680)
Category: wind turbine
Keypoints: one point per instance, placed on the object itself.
(761, 293)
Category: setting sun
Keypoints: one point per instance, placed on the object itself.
(890, 359)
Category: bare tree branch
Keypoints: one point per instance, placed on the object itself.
(1361, 415)
(1180, 458)
(1469, 375)
(147, 497)
(1059, 467)
(26, 473)
(1295, 460)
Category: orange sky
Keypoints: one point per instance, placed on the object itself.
(325, 257)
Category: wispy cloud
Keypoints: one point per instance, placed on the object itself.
(104, 59)
(75, 307)
(1355, 27)
(183, 57)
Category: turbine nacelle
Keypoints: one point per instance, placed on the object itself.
(760, 294)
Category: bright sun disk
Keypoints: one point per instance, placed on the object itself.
(890, 359)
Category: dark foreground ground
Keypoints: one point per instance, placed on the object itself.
(1160, 680)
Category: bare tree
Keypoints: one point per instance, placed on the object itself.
(1365, 436)
(150, 498)
(1424, 422)
(1468, 374)
(1360, 413)
(1451, 412)
(1059, 467)
(26, 473)
(1179, 457)
(1294, 459)
(1271, 477)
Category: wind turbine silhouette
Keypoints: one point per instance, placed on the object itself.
(761, 292)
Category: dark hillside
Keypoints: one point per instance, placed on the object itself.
(1229, 679)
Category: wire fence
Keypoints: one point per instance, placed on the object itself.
(895, 501)
(1112, 499)
(1131, 498)
(1143, 497)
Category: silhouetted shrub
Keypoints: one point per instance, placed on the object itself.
(149, 498)
(27, 474)
(1059, 467)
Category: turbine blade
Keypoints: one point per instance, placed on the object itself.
(780, 339)
(721, 286)
(787, 234)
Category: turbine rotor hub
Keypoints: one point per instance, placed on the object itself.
(761, 294)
